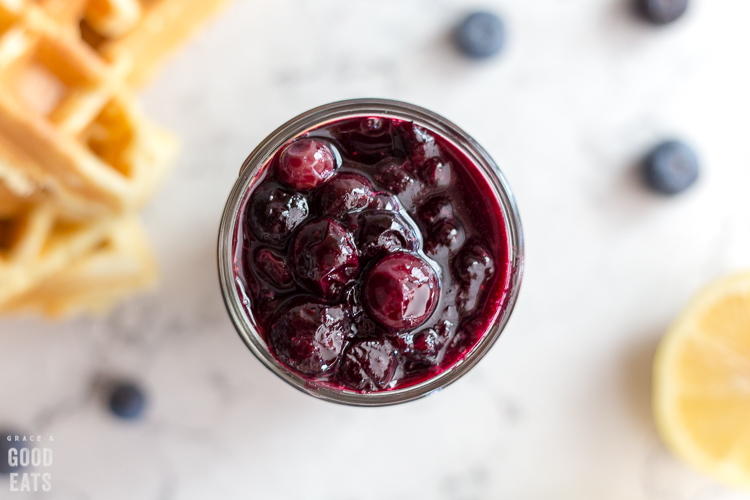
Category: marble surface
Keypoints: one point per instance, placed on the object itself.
(560, 407)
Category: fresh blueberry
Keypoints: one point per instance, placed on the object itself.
(7, 441)
(662, 11)
(481, 35)
(671, 167)
(127, 401)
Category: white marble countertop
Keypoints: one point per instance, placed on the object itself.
(560, 408)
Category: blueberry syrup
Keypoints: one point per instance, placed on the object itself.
(371, 254)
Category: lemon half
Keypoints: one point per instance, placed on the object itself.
(702, 382)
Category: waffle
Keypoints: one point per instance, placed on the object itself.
(67, 120)
(138, 35)
(77, 156)
(119, 265)
(37, 242)
(133, 35)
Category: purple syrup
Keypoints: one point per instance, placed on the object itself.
(372, 253)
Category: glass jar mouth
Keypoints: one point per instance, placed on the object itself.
(252, 169)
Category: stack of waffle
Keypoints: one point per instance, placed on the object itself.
(77, 157)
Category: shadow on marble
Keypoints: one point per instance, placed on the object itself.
(637, 378)
(623, 27)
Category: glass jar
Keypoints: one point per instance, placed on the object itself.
(252, 170)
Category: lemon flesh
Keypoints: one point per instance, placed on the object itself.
(702, 382)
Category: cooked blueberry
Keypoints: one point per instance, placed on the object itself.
(473, 267)
(343, 194)
(385, 201)
(366, 327)
(445, 330)
(127, 400)
(481, 35)
(275, 212)
(436, 209)
(436, 172)
(324, 257)
(379, 232)
(368, 365)
(401, 291)
(309, 337)
(394, 176)
(374, 126)
(306, 164)
(368, 141)
(671, 167)
(274, 268)
(363, 326)
(422, 346)
(447, 235)
(352, 298)
(8, 441)
(420, 145)
(662, 11)
(266, 307)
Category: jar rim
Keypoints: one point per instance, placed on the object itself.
(252, 169)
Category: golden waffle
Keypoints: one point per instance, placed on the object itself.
(36, 242)
(66, 119)
(76, 154)
(67, 122)
(138, 35)
(133, 35)
(119, 265)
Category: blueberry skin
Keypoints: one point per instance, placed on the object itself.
(481, 35)
(127, 401)
(6, 445)
(662, 11)
(671, 167)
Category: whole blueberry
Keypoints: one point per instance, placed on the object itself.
(671, 167)
(344, 193)
(324, 257)
(127, 401)
(368, 365)
(401, 291)
(662, 11)
(306, 164)
(7, 441)
(481, 35)
(310, 336)
(379, 232)
(274, 212)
